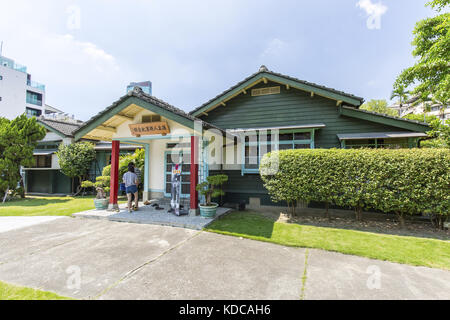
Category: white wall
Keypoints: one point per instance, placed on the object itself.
(55, 162)
(157, 147)
(51, 136)
(12, 92)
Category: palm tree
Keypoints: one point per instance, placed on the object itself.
(402, 94)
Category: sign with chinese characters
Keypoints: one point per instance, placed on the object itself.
(151, 128)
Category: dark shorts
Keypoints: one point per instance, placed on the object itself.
(131, 189)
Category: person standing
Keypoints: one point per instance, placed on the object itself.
(137, 171)
(131, 185)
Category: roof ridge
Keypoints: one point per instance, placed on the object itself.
(264, 69)
(138, 93)
(60, 121)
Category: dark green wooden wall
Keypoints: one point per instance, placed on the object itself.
(291, 107)
(48, 181)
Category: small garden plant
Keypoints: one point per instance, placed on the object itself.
(212, 188)
(101, 185)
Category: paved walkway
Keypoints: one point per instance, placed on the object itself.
(13, 223)
(97, 259)
(149, 215)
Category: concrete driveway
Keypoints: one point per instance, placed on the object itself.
(95, 259)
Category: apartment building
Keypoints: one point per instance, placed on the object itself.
(18, 92)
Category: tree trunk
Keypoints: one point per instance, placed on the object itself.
(358, 213)
(6, 194)
(79, 189)
(22, 188)
(294, 207)
(438, 221)
(327, 212)
(401, 219)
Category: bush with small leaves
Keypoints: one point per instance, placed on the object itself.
(404, 182)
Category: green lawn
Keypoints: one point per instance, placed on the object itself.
(12, 292)
(46, 206)
(408, 250)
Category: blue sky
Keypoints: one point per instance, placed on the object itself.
(86, 52)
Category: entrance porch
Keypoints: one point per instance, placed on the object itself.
(149, 215)
(169, 136)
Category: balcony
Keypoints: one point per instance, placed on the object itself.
(36, 85)
(12, 65)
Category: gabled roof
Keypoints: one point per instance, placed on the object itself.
(140, 98)
(403, 123)
(53, 109)
(65, 129)
(264, 73)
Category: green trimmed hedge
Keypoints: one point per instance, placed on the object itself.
(404, 181)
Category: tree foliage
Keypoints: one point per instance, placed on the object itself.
(431, 73)
(401, 94)
(405, 181)
(211, 188)
(76, 159)
(18, 139)
(439, 133)
(439, 4)
(138, 158)
(379, 106)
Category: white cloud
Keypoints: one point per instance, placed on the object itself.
(86, 54)
(374, 12)
(278, 53)
(275, 48)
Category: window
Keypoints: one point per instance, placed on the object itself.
(34, 98)
(1, 77)
(151, 118)
(178, 145)
(257, 144)
(33, 112)
(43, 161)
(378, 144)
(436, 108)
(174, 157)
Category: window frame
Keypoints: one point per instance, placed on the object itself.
(184, 152)
(34, 98)
(276, 143)
(47, 162)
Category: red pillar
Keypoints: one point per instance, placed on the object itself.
(194, 174)
(114, 176)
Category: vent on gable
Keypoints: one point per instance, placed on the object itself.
(266, 91)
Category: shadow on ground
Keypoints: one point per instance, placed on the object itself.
(372, 222)
(34, 202)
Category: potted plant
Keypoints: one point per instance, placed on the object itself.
(101, 186)
(211, 189)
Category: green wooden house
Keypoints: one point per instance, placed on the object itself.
(264, 112)
(307, 115)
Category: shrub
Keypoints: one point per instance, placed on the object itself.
(75, 160)
(407, 181)
(211, 188)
